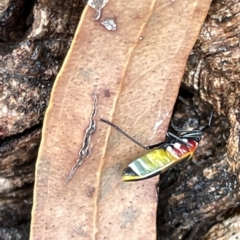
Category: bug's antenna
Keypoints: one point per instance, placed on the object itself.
(122, 132)
(157, 145)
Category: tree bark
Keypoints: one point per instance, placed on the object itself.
(34, 39)
(200, 196)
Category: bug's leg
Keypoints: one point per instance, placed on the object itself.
(162, 180)
(157, 192)
(209, 122)
(131, 138)
(173, 136)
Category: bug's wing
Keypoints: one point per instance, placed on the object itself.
(152, 164)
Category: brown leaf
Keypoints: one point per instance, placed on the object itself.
(135, 71)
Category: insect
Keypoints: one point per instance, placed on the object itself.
(166, 154)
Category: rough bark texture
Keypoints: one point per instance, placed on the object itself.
(199, 196)
(34, 39)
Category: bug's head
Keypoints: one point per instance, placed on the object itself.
(195, 134)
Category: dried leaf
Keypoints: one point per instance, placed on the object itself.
(135, 72)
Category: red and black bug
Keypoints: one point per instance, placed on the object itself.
(166, 154)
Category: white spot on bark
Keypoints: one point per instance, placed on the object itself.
(5, 185)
